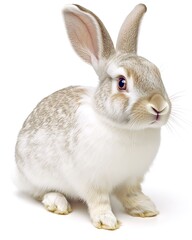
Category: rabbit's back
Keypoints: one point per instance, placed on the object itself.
(55, 111)
(51, 129)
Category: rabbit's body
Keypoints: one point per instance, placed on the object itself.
(75, 149)
(87, 143)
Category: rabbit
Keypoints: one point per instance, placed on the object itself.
(88, 143)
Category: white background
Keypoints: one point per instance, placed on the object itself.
(36, 59)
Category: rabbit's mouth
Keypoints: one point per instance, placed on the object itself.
(156, 121)
(159, 121)
(143, 120)
(157, 118)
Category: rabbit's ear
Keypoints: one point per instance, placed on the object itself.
(88, 35)
(127, 38)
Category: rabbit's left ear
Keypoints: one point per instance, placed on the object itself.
(88, 35)
(127, 38)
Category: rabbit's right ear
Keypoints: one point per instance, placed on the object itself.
(88, 35)
(128, 34)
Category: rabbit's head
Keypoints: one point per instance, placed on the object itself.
(130, 93)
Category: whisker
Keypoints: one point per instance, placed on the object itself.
(177, 95)
(175, 127)
(135, 121)
(174, 121)
(180, 120)
(180, 110)
(170, 127)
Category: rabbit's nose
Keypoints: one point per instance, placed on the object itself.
(158, 105)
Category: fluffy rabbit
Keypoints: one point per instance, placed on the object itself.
(85, 143)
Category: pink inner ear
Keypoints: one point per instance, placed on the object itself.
(83, 35)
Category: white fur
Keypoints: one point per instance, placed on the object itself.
(106, 157)
(133, 94)
(119, 150)
(93, 155)
(113, 70)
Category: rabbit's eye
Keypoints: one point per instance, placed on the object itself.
(122, 83)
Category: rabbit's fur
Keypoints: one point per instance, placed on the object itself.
(87, 143)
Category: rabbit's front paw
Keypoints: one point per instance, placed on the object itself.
(105, 221)
(57, 203)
